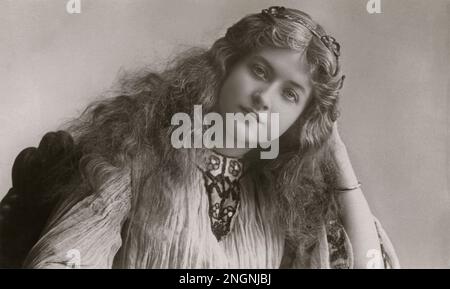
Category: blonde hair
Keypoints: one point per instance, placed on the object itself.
(133, 128)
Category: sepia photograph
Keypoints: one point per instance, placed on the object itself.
(218, 134)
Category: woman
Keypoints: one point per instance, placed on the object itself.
(137, 202)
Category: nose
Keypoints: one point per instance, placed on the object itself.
(260, 101)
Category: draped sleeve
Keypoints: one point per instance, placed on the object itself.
(334, 250)
(86, 233)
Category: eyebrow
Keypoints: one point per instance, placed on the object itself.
(267, 63)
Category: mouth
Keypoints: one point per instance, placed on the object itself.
(248, 110)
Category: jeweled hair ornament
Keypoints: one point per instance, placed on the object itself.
(280, 12)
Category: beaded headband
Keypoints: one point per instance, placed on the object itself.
(327, 40)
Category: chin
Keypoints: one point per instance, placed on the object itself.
(250, 137)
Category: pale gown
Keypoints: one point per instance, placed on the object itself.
(94, 232)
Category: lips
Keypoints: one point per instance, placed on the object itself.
(248, 110)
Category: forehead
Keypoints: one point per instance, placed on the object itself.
(288, 64)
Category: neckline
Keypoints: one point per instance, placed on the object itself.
(210, 161)
(216, 153)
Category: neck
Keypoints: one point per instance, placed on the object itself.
(232, 152)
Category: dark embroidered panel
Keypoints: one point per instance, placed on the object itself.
(339, 258)
(221, 177)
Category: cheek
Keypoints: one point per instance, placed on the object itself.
(286, 120)
(287, 117)
(236, 88)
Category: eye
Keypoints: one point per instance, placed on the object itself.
(259, 71)
(291, 95)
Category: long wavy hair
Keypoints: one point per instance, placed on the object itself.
(132, 128)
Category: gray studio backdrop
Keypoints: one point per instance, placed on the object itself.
(394, 105)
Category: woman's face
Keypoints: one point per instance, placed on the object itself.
(272, 80)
